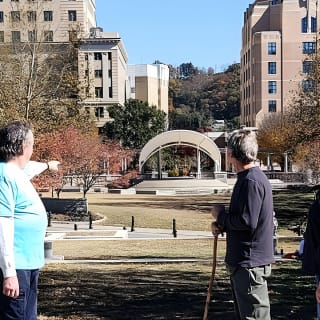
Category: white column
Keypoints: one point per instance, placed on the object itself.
(198, 164)
(286, 162)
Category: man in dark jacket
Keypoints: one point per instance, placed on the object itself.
(311, 249)
(249, 228)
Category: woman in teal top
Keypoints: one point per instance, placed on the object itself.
(23, 223)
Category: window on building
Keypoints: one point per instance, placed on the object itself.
(1, 36)
(15, 16)
(48, 36)
(1, 16)
(308, 47)
(99, 112)
(32, 16)
(73, 35)
(313, 24)
(307, 66)
(272, 105)
(110, 73)
(47, 15)
(32, 36)
(15, 35)
(110, 92)
(307, 85)
(109, 55)
(98, 73)
(272, 86)
(272, 68)
(304, 25)
(274, 2)
(272, 48)
(98, 92)
(97, 56)
(72, 15)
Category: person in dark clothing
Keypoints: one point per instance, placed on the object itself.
(311, 249)
(249, 229)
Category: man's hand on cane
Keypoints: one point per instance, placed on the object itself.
(215, 211)
(215, 229)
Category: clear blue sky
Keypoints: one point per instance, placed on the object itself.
(206, 33)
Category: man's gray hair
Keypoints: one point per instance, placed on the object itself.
(243, 145)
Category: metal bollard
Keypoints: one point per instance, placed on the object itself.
(174, 230)
(49, 219)
(132, 223)
(48, 249)
(90, 220)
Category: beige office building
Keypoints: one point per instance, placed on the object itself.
(277, 38)
(149, 83)
(102, 58)
(45, 20)
(103, 71)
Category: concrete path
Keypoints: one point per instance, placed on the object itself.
(66, 231)
(80, 230)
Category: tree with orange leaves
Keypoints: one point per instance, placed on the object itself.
(83, 156)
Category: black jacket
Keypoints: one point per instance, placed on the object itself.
(311, 249)
(249, 222)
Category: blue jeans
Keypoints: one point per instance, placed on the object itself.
(24, 307)
(318, 304)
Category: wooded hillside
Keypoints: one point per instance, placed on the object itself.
(198, 98)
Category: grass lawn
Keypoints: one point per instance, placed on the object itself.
(161, 291)
(164, 290)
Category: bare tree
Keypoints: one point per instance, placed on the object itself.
(39, 78)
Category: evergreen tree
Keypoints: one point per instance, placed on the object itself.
(135, 123)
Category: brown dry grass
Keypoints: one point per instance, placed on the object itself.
(119, 291)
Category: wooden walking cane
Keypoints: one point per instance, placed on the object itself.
(213, 273)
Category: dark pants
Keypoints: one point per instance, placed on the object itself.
(24, 307)
(250, 292)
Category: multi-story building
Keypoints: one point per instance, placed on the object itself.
(103, 72)
(278, 37)
(102, 58)
(45, 20)
(149, 83)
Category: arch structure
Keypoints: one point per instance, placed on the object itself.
(190, 138)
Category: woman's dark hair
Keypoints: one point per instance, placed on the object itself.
(13, 137)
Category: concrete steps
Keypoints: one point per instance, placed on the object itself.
(182, 186)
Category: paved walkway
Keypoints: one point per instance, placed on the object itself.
(80, 230)
(66, 231)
